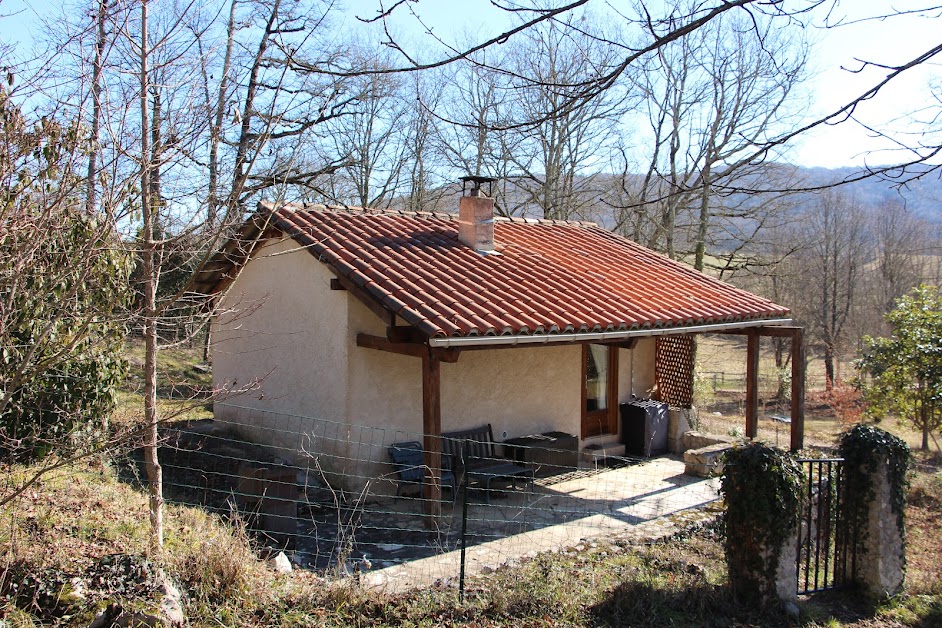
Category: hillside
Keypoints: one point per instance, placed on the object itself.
(596, 197)
(922, 196)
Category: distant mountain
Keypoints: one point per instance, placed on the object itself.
(922, 195)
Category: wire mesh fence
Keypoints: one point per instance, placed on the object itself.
(722, 383)
(338, 499)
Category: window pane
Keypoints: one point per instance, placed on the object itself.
(596, 378)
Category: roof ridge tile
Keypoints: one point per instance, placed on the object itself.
(545, 221)
(355, 210)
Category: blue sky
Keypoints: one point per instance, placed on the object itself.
(835, 77)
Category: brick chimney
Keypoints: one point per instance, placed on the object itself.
(476, 215)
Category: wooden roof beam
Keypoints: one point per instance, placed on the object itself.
(778, 331)
(416, 350)
(405, 333)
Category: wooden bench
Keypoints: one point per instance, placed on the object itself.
(475, 455)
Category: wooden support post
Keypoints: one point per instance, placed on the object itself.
(432, 430)
(798, 390)
(752, 384)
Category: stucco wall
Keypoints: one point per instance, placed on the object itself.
(642, 375)
(278, 326)
(520, 391)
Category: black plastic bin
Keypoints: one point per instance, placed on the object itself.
(644, 427)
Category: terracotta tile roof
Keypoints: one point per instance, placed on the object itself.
(550, 277)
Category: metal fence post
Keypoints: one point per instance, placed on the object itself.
(464, 534)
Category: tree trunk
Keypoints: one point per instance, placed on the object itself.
(151, 463)
(207, 340)
(924, 422)
(704, 217)
(828, 367)
(90, 195)
(213, 201)
(778, 347)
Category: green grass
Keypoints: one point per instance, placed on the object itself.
(183, 385)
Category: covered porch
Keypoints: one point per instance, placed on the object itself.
(674, 366)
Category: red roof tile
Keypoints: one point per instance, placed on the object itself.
(549, 276)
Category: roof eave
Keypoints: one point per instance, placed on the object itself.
(458, 342)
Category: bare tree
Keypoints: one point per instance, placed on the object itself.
(423, 160)
(712, 99)
(101, 41)
(829, 270)
(151, 278)
(157, 129)
(560, 154)
(901, 238)
(368, 142)
(472, 137)
(650, 206)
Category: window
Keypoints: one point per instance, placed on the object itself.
(599, 390)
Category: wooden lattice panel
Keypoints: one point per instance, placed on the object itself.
(674, 370)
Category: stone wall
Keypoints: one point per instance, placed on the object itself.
(881, 558)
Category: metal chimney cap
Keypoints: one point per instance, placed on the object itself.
(476, 182)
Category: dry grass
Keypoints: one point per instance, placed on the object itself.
(681, 582)
(727, 353)
(74, 523)
(183, 385)
(924, 516)
(722, 409)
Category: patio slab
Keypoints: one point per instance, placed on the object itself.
(632, 502)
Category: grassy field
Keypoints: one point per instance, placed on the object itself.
(93, 518)
(720, 395)
(78, 540)
(183, 384)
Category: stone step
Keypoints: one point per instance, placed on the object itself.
(595, 454)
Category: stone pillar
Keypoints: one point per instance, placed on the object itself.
(761, 487)
(880, 555)
(755, 584)
(786, 576)
(679, 421)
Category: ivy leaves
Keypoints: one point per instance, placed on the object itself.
(762, 490)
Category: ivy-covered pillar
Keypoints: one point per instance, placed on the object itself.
(762, 490)
(875, 467)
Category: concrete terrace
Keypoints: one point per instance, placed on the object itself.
(633, 502)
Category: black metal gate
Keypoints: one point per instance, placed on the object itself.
(825, 556)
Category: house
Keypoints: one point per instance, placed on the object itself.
(418, 323)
